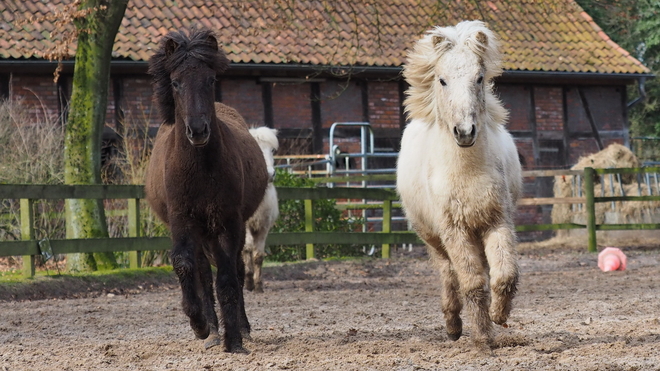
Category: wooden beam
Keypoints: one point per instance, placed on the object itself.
(590, 118)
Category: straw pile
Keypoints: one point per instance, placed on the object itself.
(614, 156)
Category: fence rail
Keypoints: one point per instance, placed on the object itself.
(387, 199)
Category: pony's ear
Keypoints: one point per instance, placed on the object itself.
(481, 42)
(482, 38)
(212, 42)
(437, 39)
(170, 46)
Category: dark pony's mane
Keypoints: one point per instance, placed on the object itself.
(175, 48)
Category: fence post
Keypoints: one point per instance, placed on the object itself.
(387, 225)
(309, 227)
(27, 233)
(134, 230)
(590, 208)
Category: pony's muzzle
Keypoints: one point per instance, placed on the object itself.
(198, 134)
(465, 137)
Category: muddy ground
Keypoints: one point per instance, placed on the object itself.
(370, 314)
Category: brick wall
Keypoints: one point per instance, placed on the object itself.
(384, 105)
(340, 102)
(292, 106)
(549, 108)
(516, 100)
(245, 95)
(38, 93)
(137, 104)
(525, 148)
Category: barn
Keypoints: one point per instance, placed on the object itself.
(299, 66)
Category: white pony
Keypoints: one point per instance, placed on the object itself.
(459, 176)
(262, 220)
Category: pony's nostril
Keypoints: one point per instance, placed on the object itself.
(473, 131)
(189, 132)
(456, 131)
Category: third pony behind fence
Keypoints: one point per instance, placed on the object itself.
(264, 218)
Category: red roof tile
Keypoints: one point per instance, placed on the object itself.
(554, 35)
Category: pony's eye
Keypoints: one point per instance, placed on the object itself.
(176, 85)
(480, 80)
(443, 82)
(210, 81)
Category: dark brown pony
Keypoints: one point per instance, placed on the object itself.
(205, 179)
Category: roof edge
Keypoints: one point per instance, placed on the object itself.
(126, 66)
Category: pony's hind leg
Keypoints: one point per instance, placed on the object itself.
(499, 247)
(258, 258)
(248, 259)
(258, 263)
(184, 264)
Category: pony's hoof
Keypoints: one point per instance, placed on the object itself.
(249, 286)
(454, 336)
(237, 349)
(212, 341)
(484, 347)
(201, 332)
(245, 334)
(258, 288)
(499, 318)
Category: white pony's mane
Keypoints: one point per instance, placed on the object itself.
(266, 135)
(419, 69)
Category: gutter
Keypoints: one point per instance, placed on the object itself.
(140, 67)
(642, 93)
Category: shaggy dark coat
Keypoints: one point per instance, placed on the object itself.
(205, 179)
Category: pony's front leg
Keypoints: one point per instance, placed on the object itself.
(469, 267)
(451, 302)
(208, 301)
(184, 264)
(229, 285)
(499, 245)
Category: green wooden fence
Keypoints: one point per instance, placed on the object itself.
(387, 199)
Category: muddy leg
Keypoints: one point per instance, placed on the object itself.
(248, 252)
(502, 258)
(184, 264)
(259, 254)
(258, 262)
(451, 302)
(470, 270)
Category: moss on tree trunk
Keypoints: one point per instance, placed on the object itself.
(84, 127)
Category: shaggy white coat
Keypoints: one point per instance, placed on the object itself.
(461, 200)
(258, 226)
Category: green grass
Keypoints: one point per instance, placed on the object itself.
(16, 275)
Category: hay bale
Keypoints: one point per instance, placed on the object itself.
(614, 156)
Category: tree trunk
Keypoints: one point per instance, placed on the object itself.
(84, 127)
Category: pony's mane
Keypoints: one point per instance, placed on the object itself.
(200, 44)
(266, 135)
(422, 59)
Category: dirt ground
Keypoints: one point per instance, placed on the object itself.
(369, 314)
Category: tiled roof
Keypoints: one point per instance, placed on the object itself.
(553, 35)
